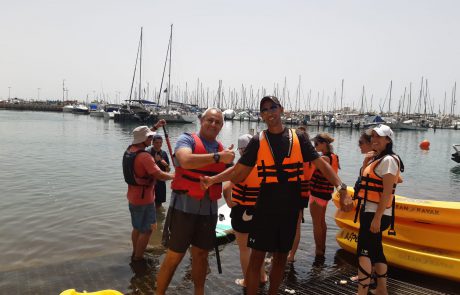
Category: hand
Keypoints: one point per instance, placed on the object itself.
(230, 203)
(227, 155)
(164, 163)
(160, 124)
(158, 158)
(206, 182)
(375, 225)
(346, 203)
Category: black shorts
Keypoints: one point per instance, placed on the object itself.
(184, 229)
(273, 232)
(370, 244)
(242, 218)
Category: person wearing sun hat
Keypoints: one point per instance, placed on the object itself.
(140, 173)
(379, 176)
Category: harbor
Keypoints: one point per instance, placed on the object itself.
(75, 234)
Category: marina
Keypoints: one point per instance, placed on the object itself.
(76, 230)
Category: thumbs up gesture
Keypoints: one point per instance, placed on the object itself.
(227, 155)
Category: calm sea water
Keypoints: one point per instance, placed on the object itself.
(62, 192)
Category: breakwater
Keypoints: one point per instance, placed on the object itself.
(32, 106)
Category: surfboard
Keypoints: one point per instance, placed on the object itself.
(224, 231)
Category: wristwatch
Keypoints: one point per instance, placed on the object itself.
(342, 186)
(216, 157)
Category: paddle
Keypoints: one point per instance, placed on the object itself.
(169, 146)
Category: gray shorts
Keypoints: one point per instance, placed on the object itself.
(184, 229)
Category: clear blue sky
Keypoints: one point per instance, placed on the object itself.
(93, 44)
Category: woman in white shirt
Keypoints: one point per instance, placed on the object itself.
(379, 176)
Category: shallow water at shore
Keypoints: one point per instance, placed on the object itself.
(63, 194)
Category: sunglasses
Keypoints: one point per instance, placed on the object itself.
(272, 109)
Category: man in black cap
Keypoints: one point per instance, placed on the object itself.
(279, 154)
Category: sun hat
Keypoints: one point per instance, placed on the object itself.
(141, 133)
(243, 141)
(269, 98)
(382, 130)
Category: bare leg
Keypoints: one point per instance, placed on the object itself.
(295, 245)
(381, 271)
(134, 237)
(256, 261)
(364, 270)
(245, 251)
(319, 227)
(199, 269)
(167, 269)
(277, 273)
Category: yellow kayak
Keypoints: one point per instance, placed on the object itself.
(422, 246)
(425, 211)
(103, 292)
(411, 232)
(440, 263)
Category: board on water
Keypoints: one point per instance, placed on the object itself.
(224, 231)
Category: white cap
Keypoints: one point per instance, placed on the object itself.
(141, 133)
(382, 130)
(243, 140)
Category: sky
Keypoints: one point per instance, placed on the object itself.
(91, 46)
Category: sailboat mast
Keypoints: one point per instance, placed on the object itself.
(389, 101)
(341, 98)
(169, 69)
(140, 67)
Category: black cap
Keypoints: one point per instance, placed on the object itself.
(270, 98)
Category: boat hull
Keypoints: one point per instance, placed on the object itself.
(426, 240)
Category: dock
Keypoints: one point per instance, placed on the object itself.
(113, 271)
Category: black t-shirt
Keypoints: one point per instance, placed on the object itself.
(280, 145)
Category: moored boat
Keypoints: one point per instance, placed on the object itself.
(426, 240)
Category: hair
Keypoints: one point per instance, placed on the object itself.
(365, 136)
(389, 151)
(217, 110)
(303, 129)
(157, 136)
(327, 138)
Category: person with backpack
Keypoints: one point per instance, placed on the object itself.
(140, 172)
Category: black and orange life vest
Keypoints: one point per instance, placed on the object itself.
(371, 186)
(188, 180)
(290, 170)
(370, 189)
(308, 170)
(319, 183)
(245, 193)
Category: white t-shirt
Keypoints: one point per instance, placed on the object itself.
(388, 165)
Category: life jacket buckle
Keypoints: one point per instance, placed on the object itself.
(391, 232)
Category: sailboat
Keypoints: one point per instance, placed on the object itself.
(136, 110)
(175, 112)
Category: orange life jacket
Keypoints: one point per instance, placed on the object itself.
(319, 183)
(308, 170)
(371, 187)
(188, 180)
(245, 193)
(290, 170)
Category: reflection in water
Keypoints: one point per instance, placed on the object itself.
(455, 173)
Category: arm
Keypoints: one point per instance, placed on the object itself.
(240, 173)
(207, 181)
(163, 176)
(346, 203)
(189, 160)
(388, 181)
(227, 192)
